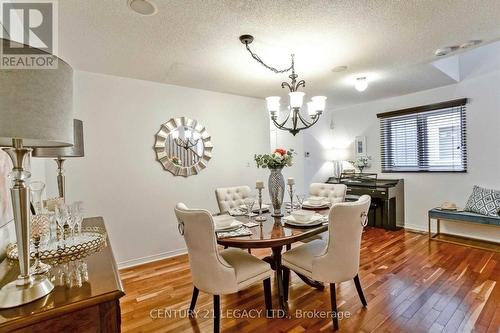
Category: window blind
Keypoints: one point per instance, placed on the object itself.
(429, 138)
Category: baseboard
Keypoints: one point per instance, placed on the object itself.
(415, 228)
(148, 259)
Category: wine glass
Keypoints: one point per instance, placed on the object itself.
(62, 215)
(72, 221)
(300, 199)
(249, 202)
(78, 213)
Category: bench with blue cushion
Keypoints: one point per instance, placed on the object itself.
(458, 216)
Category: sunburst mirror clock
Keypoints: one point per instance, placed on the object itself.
(183, 146)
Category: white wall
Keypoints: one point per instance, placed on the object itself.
(119, 177)
(423, 190)
(284, 139)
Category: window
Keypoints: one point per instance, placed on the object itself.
(428, 138)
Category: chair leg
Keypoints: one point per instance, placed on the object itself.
(216, 313)
(250, 251)
(333, 301)
(267, 297)
(360, 290)
(193, 301)
(286, 282)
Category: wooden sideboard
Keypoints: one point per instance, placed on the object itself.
(93, 307)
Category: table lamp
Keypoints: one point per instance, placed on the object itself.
(36, 111)
(77, 150)
(337, 156)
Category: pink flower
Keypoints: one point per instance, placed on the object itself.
(280, 151)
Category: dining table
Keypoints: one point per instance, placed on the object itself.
(276, 234)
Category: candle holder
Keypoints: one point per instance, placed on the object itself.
(260, 218)
(290, 192)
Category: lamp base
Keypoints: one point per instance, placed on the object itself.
(12, 295)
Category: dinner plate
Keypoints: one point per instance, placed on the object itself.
(233, 226)
(307, 204)
(315, 221)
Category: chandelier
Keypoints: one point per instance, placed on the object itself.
(187, 140)
(294, 121)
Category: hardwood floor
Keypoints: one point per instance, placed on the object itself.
(411, 285)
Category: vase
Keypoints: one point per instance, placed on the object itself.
(276, 185)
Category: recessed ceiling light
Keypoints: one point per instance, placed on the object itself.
(361, 84)
(445, 50)
(471, 43)
(338, 69)
(143, 7)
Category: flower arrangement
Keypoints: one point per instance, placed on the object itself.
(277, 160)
(361, 162)
(176, 160)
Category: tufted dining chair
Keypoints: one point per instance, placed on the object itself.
(231, 197)
(334, 192)
(218, 272)
(337, 259)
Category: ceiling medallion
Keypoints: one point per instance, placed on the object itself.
(314, 108)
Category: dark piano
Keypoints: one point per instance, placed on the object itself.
(387, 208)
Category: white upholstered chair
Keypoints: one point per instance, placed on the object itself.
(231, 197)
(218, 272)
(333, 192)
(336, 259)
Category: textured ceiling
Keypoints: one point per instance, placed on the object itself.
(195, 43)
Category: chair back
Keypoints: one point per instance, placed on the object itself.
(231, 197)
(334, 192)
(211, 273)
(340, 262)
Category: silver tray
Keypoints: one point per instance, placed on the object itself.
(91, 240)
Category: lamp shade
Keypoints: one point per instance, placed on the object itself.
(319, 102)
(296, 99)
(37, 106)
(77, 150)
(336, 154)
(273, 103)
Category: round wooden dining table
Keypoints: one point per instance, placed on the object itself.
(274, 233)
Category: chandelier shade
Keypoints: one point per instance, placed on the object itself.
(296, 99)
(273, 103)
(319, 102)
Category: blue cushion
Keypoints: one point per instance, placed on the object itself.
(463, 216)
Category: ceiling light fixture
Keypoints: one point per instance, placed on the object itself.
(143, 7)
(445, 50)
(314, 108)
(361, 84)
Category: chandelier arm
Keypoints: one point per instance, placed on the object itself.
(301, 83)
(304, 121)
(259, 60)
(281, 125)
(286, 84)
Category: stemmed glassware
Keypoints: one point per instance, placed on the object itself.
(72, 222)
(249, 202)
(78, 215)
(62, 215)
(36, 190)
(300, 199)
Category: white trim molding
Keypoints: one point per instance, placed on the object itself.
(151, 258)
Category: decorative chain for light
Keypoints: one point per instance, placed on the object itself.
(259, 60)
